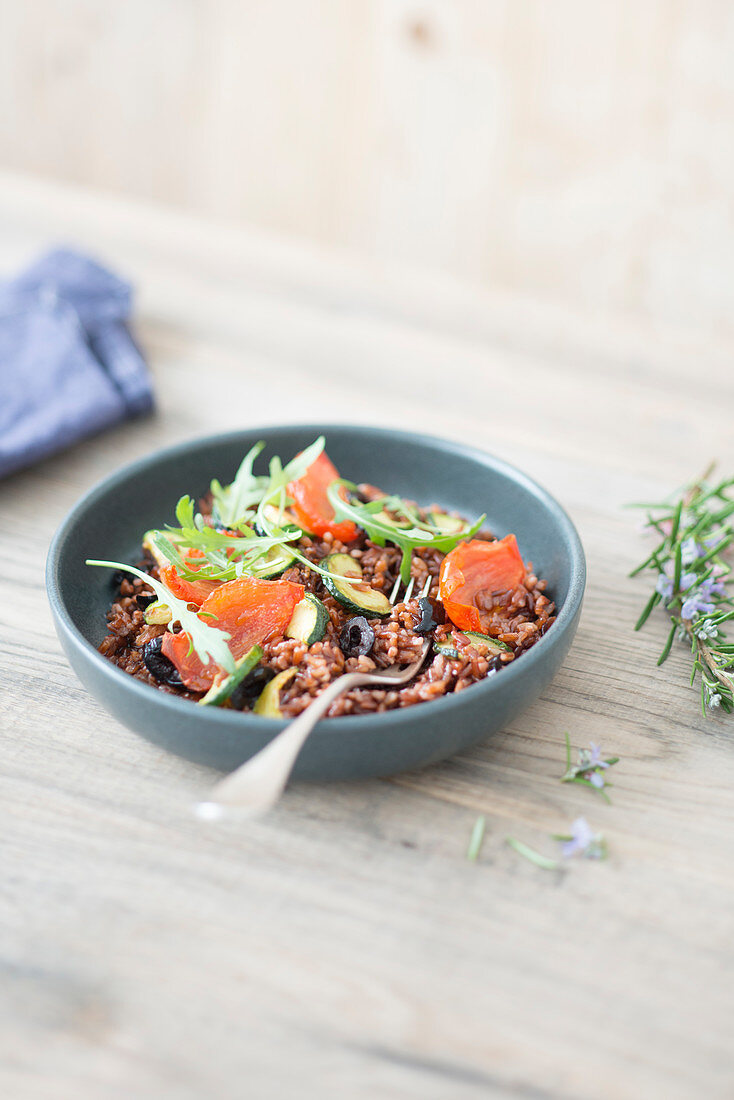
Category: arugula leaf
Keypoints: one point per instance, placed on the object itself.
(232, 502)
(208, 641)
(406, 539)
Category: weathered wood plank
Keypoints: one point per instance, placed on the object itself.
(344, 946)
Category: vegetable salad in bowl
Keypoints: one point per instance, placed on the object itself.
(272, 586)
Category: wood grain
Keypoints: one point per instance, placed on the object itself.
(343, 946)
(582, 153)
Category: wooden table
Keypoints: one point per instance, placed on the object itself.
(344, 946)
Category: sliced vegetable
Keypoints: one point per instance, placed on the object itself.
(284, 519)
(157, 614)
(275, 562)
(478, 570)
(268, 704)
(494, 645)
(250, 609)
(383, 516)
(450, 524)
(346, 584)
(150, 544)
(309, 621)
(222, 688)
(192, 591)
(449, 648)
(209, 642)
(311, 504)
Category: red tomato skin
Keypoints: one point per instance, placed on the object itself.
(250, 609)
(311, 503)
(192, 591)
(473, 567)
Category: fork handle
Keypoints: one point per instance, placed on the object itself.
(258, 783)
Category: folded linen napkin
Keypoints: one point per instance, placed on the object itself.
(68, 364)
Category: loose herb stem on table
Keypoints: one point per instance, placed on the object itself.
(691, 581)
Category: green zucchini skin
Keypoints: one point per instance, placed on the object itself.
(309, 622)
(495, 647)
(286, 520)
(449, 524)
(369, 602)
(219, 693)
(492, 644)
(277, 560)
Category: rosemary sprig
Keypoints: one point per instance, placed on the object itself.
(580, 841)
(530, 854)
(475, 841)
(691, 581)
(590, 769)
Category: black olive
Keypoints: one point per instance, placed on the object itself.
(357, 637)
(497, 663)
(432, 615)
(159, 666)
(118, 577)
(247, 692)
(143, 599)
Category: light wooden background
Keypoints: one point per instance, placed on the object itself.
(343, 947)
(581, 151)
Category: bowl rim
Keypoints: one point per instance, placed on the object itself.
(346, 723)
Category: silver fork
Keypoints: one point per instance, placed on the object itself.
(257, 784)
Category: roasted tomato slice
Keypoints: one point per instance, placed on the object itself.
(252, 610)
(478, 569)
(311, 503)
(191, 591)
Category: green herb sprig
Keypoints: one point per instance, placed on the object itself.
(692, 575)
(231, 503)
(208, 641)
(413, 533)
(589, 769)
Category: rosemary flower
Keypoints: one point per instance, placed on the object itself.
(583, 841)
(691, 577)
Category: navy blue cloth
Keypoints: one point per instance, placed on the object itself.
(68, 364)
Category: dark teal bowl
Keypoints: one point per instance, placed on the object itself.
(109, 521)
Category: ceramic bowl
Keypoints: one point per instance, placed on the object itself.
(108, 522)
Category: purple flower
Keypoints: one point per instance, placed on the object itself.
(690, 551)
(711, 587)
(695, 606)
(595, 758)
(664, 587)
(591, 764)
(664, 584)
(581, 840)
(584, 842)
